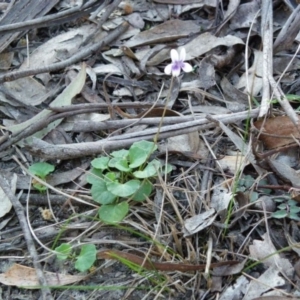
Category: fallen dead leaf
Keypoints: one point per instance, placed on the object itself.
(229, 270)
(26, 277)
(58, 48)
(6, 60)
(135, 20)
(221, 197)
(262, 249)
(87, 117)
(5, 204)
(198, 222)
(277, 132)
(165, 32)
(269, 279)
(286, 172)
(245, 16)
(232, 93)
(189, 142)
(200, 45)
(232, 163)
(253, 78)
(236, 290)
(186, 143)
(65, 98)
(24, 90)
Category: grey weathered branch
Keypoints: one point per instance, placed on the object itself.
(69, 151)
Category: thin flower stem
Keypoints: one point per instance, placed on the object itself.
(156, 137)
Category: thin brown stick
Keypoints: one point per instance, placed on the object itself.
(151, 265)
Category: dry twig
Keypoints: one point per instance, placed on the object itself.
(267, 35)
(70, 151)
(29, 241)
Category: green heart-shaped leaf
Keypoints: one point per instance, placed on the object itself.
(64, 251)
(86, 258)
(279, 214)
(119, 163)
(139, 152)
(120, 153)
(113, 213)
(150, 170)
(123, 189)
(41, 169)
(94, 175)
(144, 191)
(100, 193)
(100, 163)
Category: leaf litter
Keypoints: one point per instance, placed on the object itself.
(232, 196)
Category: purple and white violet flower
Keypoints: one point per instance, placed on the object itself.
(178, 63)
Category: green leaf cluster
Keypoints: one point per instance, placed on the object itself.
(84, 260)
(246, 182)
(126, 175)
(287, 209)
(41, 170)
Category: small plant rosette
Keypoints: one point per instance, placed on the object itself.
(125, 175)
(41, 170)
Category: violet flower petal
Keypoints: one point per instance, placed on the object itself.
(182, 55)
(174, 56)
(168, 69)
(176, 69)
(186, 67)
